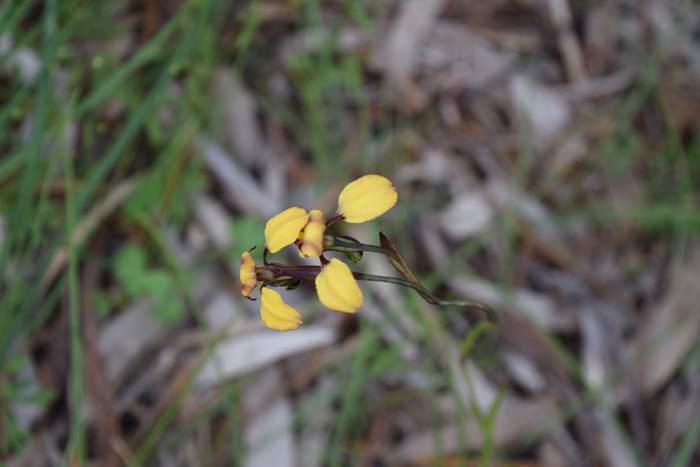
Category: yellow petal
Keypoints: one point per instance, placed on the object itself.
(246, 274)
(283, 229)
(312, 243)
(366, 198)
(275, 313)
(337, 288)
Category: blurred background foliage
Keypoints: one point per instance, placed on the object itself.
(547, 158)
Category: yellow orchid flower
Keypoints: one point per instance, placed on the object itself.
(337, 288)
(312, 235)
(284, 228)
(361, 200)
(336, 284)
(247, 274)
(275, 313)
(366, 198)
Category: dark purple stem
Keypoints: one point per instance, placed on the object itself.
(336, 217)
(298, 272)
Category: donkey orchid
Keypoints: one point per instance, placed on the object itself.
(362, 200)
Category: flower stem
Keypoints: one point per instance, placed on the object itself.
(298, 272)
(336, 217)
(423, 292)
(388, 249)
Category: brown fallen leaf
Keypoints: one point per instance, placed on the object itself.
(670, 330)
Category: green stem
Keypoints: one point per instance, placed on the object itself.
(76, 436)
(430, 298)
(398, 281)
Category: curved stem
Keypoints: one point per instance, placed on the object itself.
(336, 217)
(391, 280)
(427, 296)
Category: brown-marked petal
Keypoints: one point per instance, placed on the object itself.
(276, 314)
(283, 229)
(246, 274)
(337, 288)
(312, 243)
(367, 197)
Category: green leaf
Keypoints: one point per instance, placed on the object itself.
(129, 266)
(247, 231)
(385, 361)
(157, 283)
(146, 197)
(168, 309)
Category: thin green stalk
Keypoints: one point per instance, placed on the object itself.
(19, 97)
(427, 296)
(10, 165)
(9, 21)
(252, 18)
(76, 439)
(24, 211)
